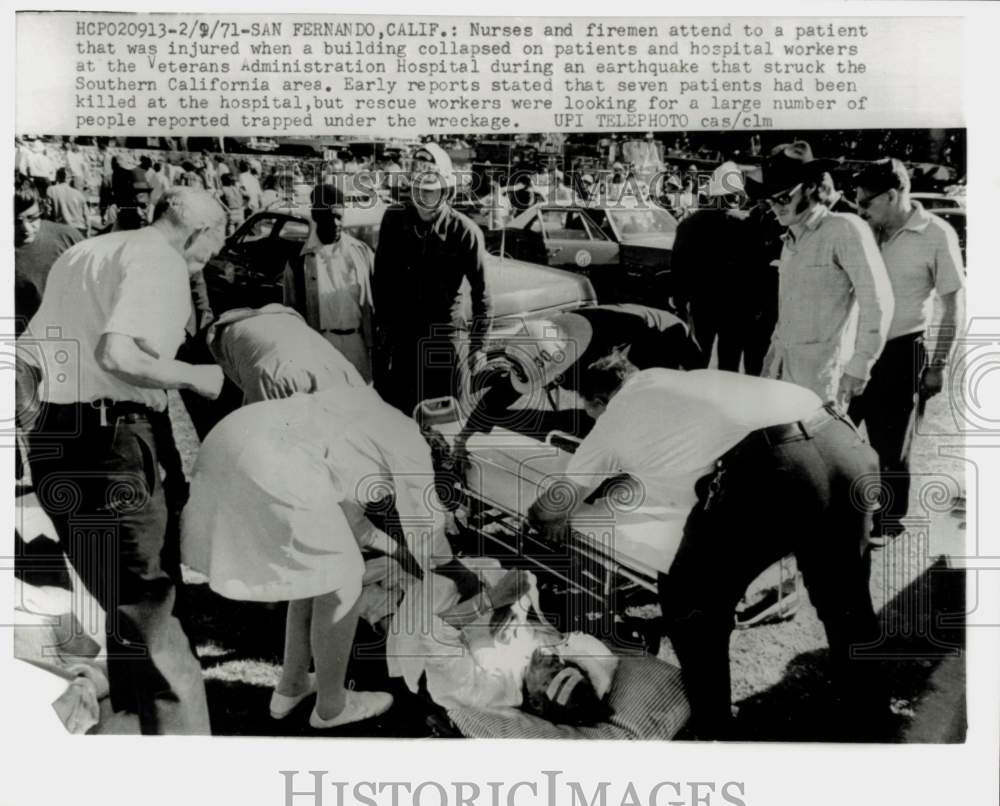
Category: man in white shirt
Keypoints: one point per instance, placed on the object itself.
(766, 471)
(924, 261)
(111, 319)
(330, 281)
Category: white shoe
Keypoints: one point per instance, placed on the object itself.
(358, 706)
(282, 706)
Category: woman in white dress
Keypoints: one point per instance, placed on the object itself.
(277, 513)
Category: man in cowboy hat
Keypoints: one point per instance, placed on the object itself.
(834, 298)
(425, 250)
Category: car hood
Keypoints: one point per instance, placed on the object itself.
(518, 288)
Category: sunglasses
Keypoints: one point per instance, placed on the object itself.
(864, 204)
(783, 198)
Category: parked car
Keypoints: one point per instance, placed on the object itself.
(623, 250)
(939, 201)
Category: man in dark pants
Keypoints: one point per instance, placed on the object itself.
(710, 260)
(425, 250)
(112, 315)
(764, 470)
(923, 260)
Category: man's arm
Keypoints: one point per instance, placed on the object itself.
(949, 278)
(482, 304)
(552, 510)
(932, 380)
(857, 254)
(123, 357)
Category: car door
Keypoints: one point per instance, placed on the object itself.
(573, 241)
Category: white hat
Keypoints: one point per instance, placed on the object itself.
(435, 167)
(727, 179)
(544, 349)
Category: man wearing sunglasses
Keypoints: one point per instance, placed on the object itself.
(923, 259)
(834, 298)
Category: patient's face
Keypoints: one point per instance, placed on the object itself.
(559, 691)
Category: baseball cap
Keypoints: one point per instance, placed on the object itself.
(432, 167)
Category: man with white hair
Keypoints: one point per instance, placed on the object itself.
(111, 319)
(425, 250)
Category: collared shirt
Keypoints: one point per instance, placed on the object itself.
(834, 303)
(667, 428)
(337, 283)
(133, 283)
(922, 257)
(69, 205)
(419, 272)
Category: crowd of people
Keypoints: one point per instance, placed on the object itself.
(818, 317)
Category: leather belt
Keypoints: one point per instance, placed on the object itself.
(764, 438)
(338, 332)
(112, 411)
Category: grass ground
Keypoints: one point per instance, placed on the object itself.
(780, 685)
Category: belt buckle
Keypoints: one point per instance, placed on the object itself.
(101, 405)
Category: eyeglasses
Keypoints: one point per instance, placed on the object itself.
(864, 204)
(783, 198)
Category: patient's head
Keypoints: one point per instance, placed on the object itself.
(561, 691)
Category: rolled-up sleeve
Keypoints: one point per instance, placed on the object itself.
(857, 254)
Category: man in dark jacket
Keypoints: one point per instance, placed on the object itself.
(425, 250)
(710, 260)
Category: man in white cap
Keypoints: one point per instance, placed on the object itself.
(425, 252)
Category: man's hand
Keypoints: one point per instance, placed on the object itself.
(850, 387)
(207, 380)
(931, 382)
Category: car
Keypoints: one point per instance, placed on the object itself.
(623, 249)
(248, 271)
(939, 201)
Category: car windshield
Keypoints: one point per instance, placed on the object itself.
(647, 221)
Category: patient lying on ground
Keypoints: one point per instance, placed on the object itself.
(486, 651)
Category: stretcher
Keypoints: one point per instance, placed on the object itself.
(618, 544)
